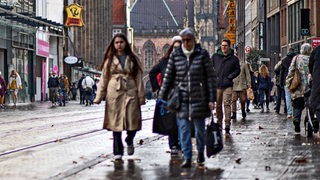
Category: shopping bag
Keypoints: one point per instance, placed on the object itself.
(250, 95)
(164, 122)
(214, 140)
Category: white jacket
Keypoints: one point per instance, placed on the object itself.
(87, 82)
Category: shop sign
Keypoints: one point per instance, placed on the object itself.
(42, 48)
(315, 42)
(74, 17)
(71, 60)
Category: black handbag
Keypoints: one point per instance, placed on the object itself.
(174, 97)
(214, 140)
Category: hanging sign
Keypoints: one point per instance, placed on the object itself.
(74, 17)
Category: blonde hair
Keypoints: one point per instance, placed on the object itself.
(263, 70)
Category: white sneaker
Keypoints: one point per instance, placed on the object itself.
(117, 157)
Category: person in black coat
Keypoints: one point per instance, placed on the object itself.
(53, 84)
(283, 74)
(81, 90)
(314, 70)
(158, 71)
(280, 89)
(227, 66)
(190, 69)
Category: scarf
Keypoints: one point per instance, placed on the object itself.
(186, 52)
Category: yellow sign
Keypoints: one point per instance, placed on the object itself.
(232, 20)
(231, 13)
(74, 17)
(230, 35)
(233, 41)
(232, 28)
(232, 5)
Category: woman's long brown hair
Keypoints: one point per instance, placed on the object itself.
(111, 51)
(263, 70)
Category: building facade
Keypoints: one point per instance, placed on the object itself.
(88, 42)
(26, 34)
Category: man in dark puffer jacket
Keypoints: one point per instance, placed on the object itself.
(227, 66)
(198, 91)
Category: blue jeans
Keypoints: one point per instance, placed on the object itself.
(62, 92)
(184, 128)
(288, 100)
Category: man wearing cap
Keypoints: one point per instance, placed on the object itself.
(53, 84)
(190, 68)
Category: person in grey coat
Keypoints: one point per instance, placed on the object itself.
(197, 89)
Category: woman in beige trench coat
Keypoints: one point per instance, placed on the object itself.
(122, 87)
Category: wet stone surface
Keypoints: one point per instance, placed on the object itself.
(264, 146)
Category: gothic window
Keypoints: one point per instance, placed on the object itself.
(149, 52)
(165, 48)
(197, 6)
(202, 27)
(209, 27)
(205, 6)
(210, 6)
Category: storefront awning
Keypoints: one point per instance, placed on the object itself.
(28, 19)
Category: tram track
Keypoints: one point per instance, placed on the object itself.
(95, 161)
(68, 137)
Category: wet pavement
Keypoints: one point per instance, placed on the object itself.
(264, 146)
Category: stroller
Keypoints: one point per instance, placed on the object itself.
(310, 122)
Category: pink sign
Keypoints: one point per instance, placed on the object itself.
(42, 48)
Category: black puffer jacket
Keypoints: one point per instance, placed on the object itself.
(198, 87)
(314, 64)
(227, 68)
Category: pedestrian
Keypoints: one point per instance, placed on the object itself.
(283, 74)
(3, 89)
(301, 62)
(264, 87)
(63, 89)
(280, 89)
(253, 87)
(121, 85)
(14, 85)
(87, 85)
(81, 90)
(314, 70)
(156, 76)
(190, 69)
(273, 91)
(256, 100)
(53, 85)
(73, 90)
(240, 85)
(227, 68)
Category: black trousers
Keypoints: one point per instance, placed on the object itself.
(280, 96)
(82, 96)
(117, 141)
